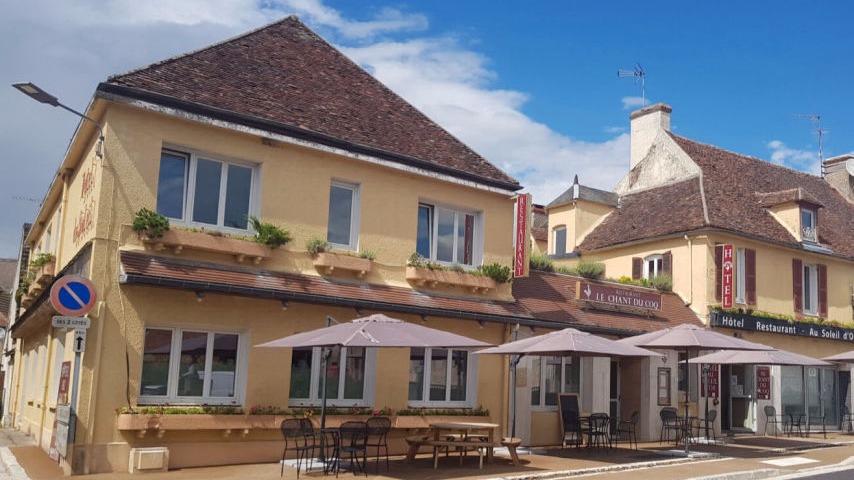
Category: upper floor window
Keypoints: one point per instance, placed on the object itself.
(808, 226)
(809, 283)
(343, 230)
(447, 235)
(653, 266)
(346, 375)
(201, 191)
(553, 376)
(560, 240)
(191, 366)
(441, 377)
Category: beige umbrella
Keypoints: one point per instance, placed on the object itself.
(844, 357)
(759, 357)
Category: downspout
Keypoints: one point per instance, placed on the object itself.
(690, 271)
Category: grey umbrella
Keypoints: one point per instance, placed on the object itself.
(844, 357)
(691, 338)
(759, 357)
(568, 341)
(376, 330)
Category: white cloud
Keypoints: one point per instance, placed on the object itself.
(632, 103)
(803, 160)
(386, 20)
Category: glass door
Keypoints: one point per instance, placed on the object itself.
(742, 385)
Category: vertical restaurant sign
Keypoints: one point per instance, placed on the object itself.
(522, 235)
(727, 276)
(763, 383)
(710, 383)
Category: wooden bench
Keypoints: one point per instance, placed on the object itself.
(511, 443)
(461, 445)
(415, 442)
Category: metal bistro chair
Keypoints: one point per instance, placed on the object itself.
(298, 440)
(599, 432)
(707, 423)
(629, 428)
(571, 427)
(669, 423)
(773, 418)
(353, 438)
(378, 428)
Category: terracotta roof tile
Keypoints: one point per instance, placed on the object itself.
(287, 74)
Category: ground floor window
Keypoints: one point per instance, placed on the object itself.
(812, 391)
(554, 375)
(191, 366)
(345, 377)
(441, 377)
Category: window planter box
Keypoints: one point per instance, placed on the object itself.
(179, 240)
(45, 274)
(160, 424)
(449, 278)
(27, 300)
(328, 262)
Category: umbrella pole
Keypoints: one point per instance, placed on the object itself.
(687, 390)
(513, 363)
(325, 352)
(706, 367)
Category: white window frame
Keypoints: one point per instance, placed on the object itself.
(172, 397)
(740, 276)
(471, 381)
(193, 156)
(557, 243)
(353, 242)
(809, 230)
(477, 235)
(541, 380)
(653, 266)
(809, 295)
(315, 394)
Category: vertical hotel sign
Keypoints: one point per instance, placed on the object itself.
(727, 276)
(522, 235)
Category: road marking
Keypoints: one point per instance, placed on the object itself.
(789, 461)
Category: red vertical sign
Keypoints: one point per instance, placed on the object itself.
(710, 384)
(763, 383)
(522, 235)
(61, 398)
(727, 277)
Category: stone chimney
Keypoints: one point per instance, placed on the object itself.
(839, 173)
(646, 124)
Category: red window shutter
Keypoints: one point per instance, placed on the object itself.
(637, 268)
(798, 284)
(666, 263)
(750, 275)
(822, 291)
(719, 261)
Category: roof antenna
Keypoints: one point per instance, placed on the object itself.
(640, 76)
(817, 120)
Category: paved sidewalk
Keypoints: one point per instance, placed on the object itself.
(742, 458)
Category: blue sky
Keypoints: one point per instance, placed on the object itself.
(532, 86)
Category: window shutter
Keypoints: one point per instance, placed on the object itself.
(750, 275)
(822, 291)
(719, 259)
(797, 284)
(666, 262)
(637, 268)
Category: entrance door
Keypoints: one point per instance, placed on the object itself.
(614, 401)
(844, 395)
(821, 394)
(741, 403)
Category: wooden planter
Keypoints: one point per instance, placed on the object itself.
(160, 424)
(45, 273)
(179, 240)
(328, 262)
(449, 278)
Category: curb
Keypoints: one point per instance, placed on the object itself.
(604, 469)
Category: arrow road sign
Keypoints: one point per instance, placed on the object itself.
(79, 340)
(73, 295)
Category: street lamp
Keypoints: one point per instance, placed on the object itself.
(41, 96)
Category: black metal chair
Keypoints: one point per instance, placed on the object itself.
(796, 420)
(298, 440)
(708, 423)
(571, 428)
(669, 423)
(629, 429)
(599, 431)
(378, 429)
(353, 439)
(816, 418)
(773, 418)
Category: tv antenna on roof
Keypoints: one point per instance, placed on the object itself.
(817, 120)
(640, 76)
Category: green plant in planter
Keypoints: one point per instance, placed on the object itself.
(417, 260)
(41, 260)
(268, 234)
(496, 271)
(590, 269)
(368, 255)
(541, 263)
(661, 282)
(316, 246)
(151, 224)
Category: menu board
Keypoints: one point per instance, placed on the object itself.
(763, 383)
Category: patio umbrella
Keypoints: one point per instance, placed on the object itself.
(376, 330)
(844, 357)
(691, 338)
(568, 341)
(759, 357)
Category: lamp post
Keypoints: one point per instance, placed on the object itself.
(33, 91)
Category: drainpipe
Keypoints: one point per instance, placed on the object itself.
(690, 270)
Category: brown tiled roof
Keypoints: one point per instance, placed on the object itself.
(797, 195)
(551, 296)
(286, 74)
(735, 187)
(540, 223)
(542, 297)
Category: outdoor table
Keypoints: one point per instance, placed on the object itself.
(329, 448)
(796, 421)
(466, 429)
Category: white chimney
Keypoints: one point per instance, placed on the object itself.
(646, 123)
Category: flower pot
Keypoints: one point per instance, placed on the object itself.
(328, 263)
(449, 278)
(178, 240)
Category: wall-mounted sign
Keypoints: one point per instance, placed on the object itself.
(621, 297)
(727, 276)
(522, 236)
(710, 381)
(752, 323)
(763, 383)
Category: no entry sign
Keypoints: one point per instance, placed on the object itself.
(73, 295)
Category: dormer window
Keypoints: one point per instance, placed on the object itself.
(808, 226)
